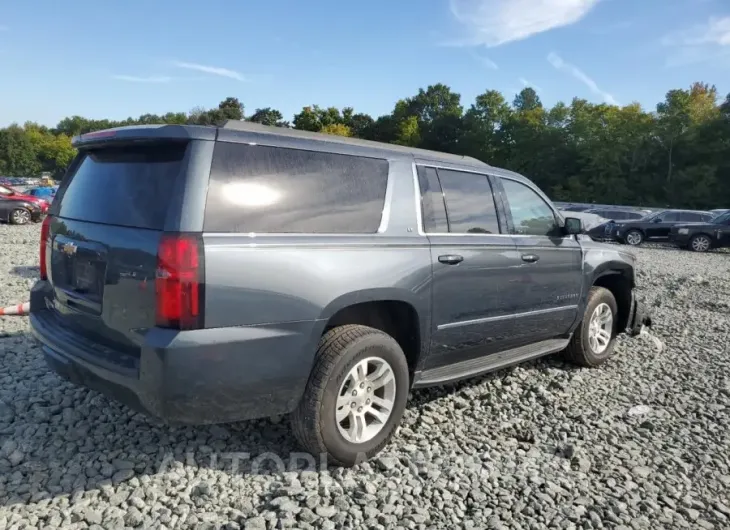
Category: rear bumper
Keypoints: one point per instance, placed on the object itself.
(192, 377)
(638, 317)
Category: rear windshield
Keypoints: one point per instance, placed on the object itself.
(125, 185)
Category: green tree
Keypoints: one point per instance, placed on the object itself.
(338, 129)
(268, 116)
(18, 154)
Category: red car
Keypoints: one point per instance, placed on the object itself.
(9, 193)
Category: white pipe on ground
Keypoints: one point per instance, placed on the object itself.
(16, 310)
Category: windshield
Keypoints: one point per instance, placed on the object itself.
(651, 216)
(721, 218)
(4, 190)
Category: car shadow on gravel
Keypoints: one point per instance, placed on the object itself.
(26, 271)
(61, 439)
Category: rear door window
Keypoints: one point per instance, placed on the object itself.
(432, 201)
(469, 202)
(670, 217)
(264, 189)
(124, 185)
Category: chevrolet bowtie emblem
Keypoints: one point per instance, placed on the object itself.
(69, 249)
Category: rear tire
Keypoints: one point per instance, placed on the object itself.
(355, 396)
(700, 243)
(20, 216)
(593, 342)
(634, 238)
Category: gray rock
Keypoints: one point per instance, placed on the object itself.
(326, 511)
(255, 523)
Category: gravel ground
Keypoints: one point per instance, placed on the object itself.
(642, 442)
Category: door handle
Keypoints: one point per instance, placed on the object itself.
(530, 258)
(451, 259)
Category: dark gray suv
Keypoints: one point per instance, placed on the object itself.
(215, 274)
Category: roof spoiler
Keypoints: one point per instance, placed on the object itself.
(145, 133)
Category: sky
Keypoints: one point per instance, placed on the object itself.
(103, 59)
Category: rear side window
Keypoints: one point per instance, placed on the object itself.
(267, 189)
(124, 185)
(432, 201)
(688, 217)
(469, 202)
(633, 215)
(670, 217)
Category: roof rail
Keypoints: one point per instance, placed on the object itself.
(257, 128)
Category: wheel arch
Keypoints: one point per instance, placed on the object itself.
(619, 279)
(703, 233)
(399, 314)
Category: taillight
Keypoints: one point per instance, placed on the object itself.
(45, 233)
(179, 281)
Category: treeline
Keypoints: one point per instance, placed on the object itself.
(677, 155)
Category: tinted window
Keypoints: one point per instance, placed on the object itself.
(610, 214)
(469, 202)
(633, 215)
(432, 201)
(275, 190)
(126, 186)
(669, 217)
(689, 217)
(531, 215)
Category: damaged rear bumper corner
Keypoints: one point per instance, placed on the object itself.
(639, 317)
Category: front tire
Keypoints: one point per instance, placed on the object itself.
(634, 238)
(594, 340)
(20, 216)
(700, 243)
(355, 396)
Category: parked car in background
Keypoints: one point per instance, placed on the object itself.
(19, 211)
(655, 226)
(7, 192)
(610, 217)
(701, 237)
(216, 274)
(592, 224)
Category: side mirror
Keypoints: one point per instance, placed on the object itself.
(573, 226)
(657, 220)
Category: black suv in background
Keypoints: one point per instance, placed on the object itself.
(701, 237)
(603, 231)
(216, 274)
(655, 226)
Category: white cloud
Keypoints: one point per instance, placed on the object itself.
(138, 79)
(496, 22)
(559, 64)
(214, 70)
(709, 41)
(526, 84)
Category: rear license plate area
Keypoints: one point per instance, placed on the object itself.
(85, 277)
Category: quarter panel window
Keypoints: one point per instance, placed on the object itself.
(264, 189)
